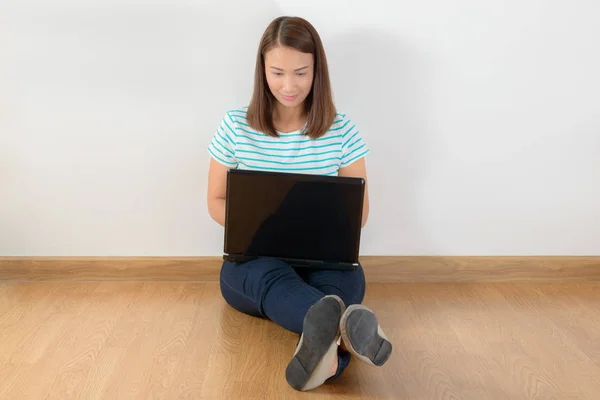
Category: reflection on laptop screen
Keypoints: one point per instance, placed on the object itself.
(282, 215)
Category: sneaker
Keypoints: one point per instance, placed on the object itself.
(363, 336)
(318, 346)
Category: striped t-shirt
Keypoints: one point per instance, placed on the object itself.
(236, 145)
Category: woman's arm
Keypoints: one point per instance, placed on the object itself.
(217, 188)
(358, 169)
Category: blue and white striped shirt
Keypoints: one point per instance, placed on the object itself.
(236, 145)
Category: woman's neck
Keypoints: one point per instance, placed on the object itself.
(288, 119)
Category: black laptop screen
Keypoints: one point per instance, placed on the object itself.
(293, 216)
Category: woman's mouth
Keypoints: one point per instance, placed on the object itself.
(289, 98)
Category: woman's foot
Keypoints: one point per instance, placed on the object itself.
(363, 337)
(334, 366)
(317, 351)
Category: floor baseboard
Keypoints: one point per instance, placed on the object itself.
(383, 269)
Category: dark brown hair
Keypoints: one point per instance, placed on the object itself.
(298, 34)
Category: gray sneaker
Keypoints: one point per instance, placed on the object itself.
(318, 345)
(363, 336)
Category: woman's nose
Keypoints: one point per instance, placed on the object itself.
(289, 84)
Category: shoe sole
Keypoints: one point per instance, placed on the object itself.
(363, 336)
(318, 345)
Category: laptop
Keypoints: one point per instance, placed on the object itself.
(306, 220)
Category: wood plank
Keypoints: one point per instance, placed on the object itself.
(378, 269)
(115, 340)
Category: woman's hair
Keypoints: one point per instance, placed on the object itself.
(298, 34)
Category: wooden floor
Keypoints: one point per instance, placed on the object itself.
(118, 340)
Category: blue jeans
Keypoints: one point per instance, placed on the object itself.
(271, 288)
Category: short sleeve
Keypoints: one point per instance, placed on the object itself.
(223, 143)
(353, 145)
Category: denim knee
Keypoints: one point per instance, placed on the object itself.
(231, 285)
(351, 288)
(243, 285)
(362, 283)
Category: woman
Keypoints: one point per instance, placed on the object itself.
(292, 125)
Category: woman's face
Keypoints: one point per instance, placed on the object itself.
(289, 74)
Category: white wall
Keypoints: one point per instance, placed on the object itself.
(490, 111)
